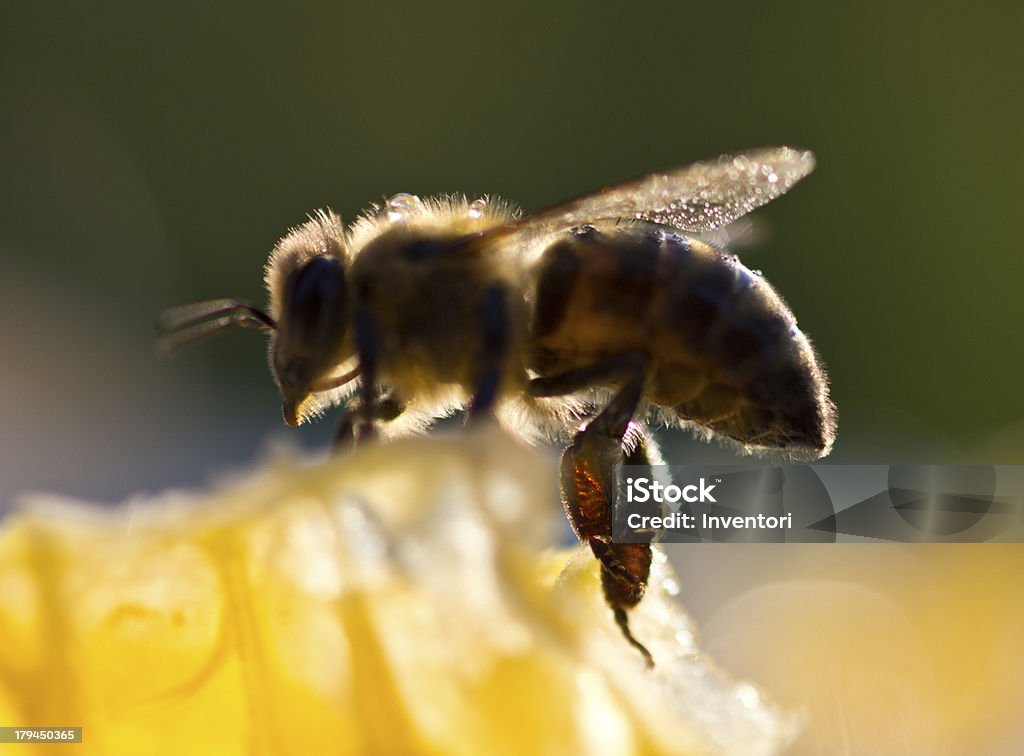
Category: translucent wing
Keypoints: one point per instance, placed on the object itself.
(698, 198)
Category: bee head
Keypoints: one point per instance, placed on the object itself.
(312, 331)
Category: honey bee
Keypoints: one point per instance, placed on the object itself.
(586, 322)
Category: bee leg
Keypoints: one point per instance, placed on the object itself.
(388, 408)
(625, 585)
(344, 438)
(609, 371)
(588, 490)
(366, 349)
(494, 347)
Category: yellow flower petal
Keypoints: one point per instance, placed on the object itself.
(402, 599)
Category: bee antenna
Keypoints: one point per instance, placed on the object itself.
(181, 326)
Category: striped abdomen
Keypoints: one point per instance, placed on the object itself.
(723, 348)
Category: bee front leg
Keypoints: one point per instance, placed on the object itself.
(344, 438)
(588, 491)
(366, 349)
(493, 350)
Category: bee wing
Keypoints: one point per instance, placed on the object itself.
(738, 235)
(698, 198)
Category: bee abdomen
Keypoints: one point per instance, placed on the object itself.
(724, 350)
(762, 382)
(594, 296)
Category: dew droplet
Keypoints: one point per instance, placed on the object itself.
(400, 207)
(477, 208)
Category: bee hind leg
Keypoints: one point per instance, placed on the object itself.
(588, 489)
(625, 585)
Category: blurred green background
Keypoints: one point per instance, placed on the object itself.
(151, 155)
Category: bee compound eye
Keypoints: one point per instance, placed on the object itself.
(315, 283)
(316, 305)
